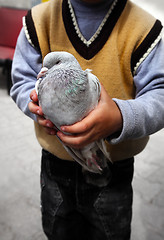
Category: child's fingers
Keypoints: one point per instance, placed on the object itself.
(75, 141)
(83, 126)
(50, 131)
(47, 124)
(34, 108)
(34, 96)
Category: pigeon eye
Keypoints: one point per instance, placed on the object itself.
(58, 62)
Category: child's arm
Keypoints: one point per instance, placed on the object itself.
(27, 63)
(144, 115)
(141, 116)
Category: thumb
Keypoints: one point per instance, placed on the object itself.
(104, 96)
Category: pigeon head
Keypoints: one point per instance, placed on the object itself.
(58, 59)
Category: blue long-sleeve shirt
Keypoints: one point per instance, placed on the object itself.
(142, 116)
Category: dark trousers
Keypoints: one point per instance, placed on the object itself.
(75, 210)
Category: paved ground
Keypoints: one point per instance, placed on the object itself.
(19, 179)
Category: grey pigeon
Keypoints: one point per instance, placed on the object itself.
(67, 94)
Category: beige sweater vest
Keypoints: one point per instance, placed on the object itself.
(112, 64)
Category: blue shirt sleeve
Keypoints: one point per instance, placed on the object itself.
(26, 65)
(144, 115)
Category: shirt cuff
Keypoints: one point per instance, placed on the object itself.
(129, 122)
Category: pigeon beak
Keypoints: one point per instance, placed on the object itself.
(42, 72)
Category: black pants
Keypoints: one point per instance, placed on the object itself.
(75, 210)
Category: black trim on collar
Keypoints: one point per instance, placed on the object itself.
(146, 44)
(99, 42)
(31, 30)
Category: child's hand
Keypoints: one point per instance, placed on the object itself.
(36, 109)
(103, 121)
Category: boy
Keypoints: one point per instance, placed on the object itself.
(122, 45)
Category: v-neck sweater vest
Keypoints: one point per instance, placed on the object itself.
(128, 34)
